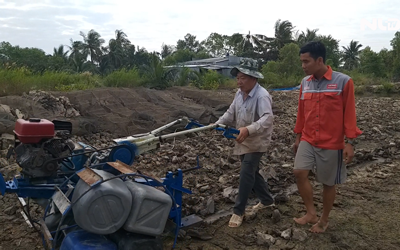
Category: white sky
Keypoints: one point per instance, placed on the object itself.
(46, 24)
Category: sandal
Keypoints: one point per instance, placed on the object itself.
(258, 207)
(235, 220)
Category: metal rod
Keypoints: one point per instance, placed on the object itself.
(156, 131)
(163, 137)
(152, 133)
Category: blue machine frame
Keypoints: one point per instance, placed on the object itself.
(124, 152)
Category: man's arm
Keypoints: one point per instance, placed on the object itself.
(300, 115)
(264, 110)
(350, 121)
(299, 122)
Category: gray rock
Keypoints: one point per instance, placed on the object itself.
(6, 141)
(276, 216)
(299, 234)
(287, 234)
(10, 210)
(211, 205)
(217, 216)
(204, 188)
(264, 239)
(230, 193)
(223, 179)
(19, 114)
(274, 248)
(3, 163)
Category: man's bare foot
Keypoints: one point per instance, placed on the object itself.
(319, 227)
(308, 218)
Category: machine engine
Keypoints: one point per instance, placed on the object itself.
(41, 146)
(103, 202)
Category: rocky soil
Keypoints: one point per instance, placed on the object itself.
(365, 214)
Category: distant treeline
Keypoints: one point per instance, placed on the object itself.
(92, 62)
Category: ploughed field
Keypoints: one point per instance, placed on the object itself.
(367, 207)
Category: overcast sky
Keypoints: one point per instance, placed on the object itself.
(46, 24)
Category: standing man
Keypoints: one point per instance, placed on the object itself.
(251, 112)
(326, 116)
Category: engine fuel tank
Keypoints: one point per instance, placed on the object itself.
(34, 130)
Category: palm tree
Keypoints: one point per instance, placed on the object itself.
(77, 56)
(121, 38)
(92, 45)
(115, 49)
(59, 52)
(305, 37)
(157, 76)
(332, 50)
(351, 55)
(166, 50)
(75, 48)
(253, 44)
(129, 56)
(283, 33)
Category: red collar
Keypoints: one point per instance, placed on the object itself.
(327, 75)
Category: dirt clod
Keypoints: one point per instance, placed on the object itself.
(366, 204)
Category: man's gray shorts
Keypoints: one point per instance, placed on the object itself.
(329, 167)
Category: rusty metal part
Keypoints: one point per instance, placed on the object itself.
(89, 176)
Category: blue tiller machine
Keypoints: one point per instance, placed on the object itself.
(95, 198)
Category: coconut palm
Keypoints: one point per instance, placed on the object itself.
(332, 50)
(156, 75)
(121, 38)
(59, 52)
(166, 50)
(92, 42)
(351, 55)
(283, 33)
(253, 44)
(115, 49)
(305, 37)
(75, 49)
(77, 55)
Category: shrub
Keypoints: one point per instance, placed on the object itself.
(388, 87)
(228, 84)
(123, 78)
(210, 85)
(212, 76)
(209, 79)
(271, 79)
(359, 90)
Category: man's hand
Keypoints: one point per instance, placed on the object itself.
(244, 133)
(296, 144)
(348, 153)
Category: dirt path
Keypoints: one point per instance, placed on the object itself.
(365, 214)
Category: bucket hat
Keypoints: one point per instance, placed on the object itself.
(247, 66)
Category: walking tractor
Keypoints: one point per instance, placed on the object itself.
(94, 198)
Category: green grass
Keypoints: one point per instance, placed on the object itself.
(16, 81)
(19, 80)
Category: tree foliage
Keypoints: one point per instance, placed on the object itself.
(278, 56)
